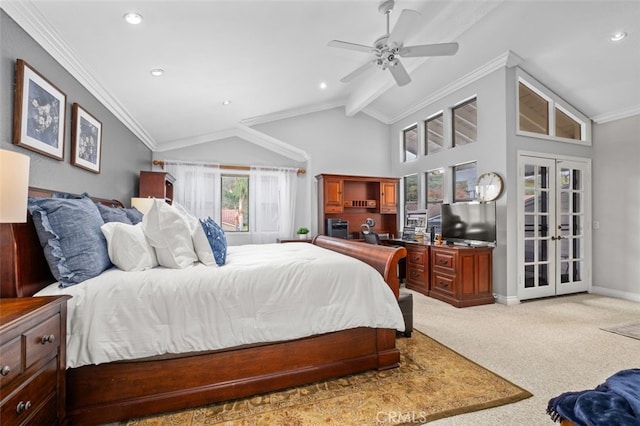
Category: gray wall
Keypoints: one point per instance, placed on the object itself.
(123, 155)
(616, 206)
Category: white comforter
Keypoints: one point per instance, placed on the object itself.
(264, 293)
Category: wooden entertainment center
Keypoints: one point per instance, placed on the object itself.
(459, 275)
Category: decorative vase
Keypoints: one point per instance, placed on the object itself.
(302, 236)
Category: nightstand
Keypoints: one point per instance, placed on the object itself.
(33, 333)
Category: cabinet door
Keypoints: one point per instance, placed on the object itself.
(388, 197)
(333, 195)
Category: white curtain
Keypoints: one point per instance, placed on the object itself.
(272, 203)
(197, 188)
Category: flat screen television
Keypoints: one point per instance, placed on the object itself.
(472, 224)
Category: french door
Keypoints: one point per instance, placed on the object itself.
(554, 237)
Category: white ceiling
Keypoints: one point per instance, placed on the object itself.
(269, 57)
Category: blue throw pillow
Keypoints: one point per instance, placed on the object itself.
(217, 240)
(69, 232)
(113, 214)
(134, 215)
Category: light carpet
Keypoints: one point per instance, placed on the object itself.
(630, 330)
(432, 382)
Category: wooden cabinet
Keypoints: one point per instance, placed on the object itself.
(462, 276)
(156, 185)
(417, 264)
(356, 199)
(32, 360)
(388, 196)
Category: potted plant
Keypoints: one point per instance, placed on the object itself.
(302, 233)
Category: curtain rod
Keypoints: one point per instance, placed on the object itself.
(224, 166)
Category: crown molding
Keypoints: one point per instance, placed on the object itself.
(616, 115)
(29, 17)
(508, 59)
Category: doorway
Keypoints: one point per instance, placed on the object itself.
(554, 233)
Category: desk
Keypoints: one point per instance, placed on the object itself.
(415, 268)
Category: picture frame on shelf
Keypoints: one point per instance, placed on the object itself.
(86, 139)
(39, 113)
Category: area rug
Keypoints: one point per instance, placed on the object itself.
(630, 330)
(432, 382)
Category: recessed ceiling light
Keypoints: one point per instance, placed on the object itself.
(618, 36)
(133, 18)
(226, 102)
(323, 85)
(157, 72)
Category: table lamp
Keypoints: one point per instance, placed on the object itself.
(142, 204)
(14, 186)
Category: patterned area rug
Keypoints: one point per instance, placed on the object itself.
(630, 330)
(432, 382)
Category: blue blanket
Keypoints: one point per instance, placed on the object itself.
(615, 402)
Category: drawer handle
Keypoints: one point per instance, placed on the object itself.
(5, 370)
(443, 284)
(415, 274)
(48, 339)
(442, 262)
(23, 406)
(415, 258)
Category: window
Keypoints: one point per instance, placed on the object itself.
(410, 142)
(234, 214)
(542, 113)
(464, 182)
(434, 197)
(411, 193)
(434, 134)
(465, 123)
(534, 111)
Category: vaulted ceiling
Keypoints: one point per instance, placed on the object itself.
(269, 57)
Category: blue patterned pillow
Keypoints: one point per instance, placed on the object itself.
(217, 240)
(69, 232)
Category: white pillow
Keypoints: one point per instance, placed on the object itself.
(168, 231)
(128, 248)
(200, 242)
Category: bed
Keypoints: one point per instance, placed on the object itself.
(117, 390)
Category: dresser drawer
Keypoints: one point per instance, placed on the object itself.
(443, 283)
(10, 362)
(444, 259)
(32, 396)
(416, 276)
(333, 209)
(416, 255)
(42, 340)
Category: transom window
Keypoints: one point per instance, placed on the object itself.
(465, 123)
(540, 113)
(434, 134)
(464, 182)
(410, 143)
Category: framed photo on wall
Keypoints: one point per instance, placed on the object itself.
(39, 113)
(86, 139)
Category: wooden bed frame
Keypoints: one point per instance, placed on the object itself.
(121, 390)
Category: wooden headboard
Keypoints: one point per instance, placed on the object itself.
(23, 268)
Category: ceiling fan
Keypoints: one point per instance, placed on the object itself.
(387, 49)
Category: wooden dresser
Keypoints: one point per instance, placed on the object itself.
(32, 360)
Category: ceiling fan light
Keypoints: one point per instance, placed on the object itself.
(133, 18)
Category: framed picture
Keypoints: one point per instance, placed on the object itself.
(39, 113)
(86, 139)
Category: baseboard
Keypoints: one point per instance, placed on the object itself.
(506, 300)
(635, 297)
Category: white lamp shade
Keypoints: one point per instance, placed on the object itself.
(14, 186)
(142, 204)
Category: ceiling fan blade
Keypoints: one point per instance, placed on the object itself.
(400, 74)
(349, 77)
(350, 46)
(443, 49)
(406, 23)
